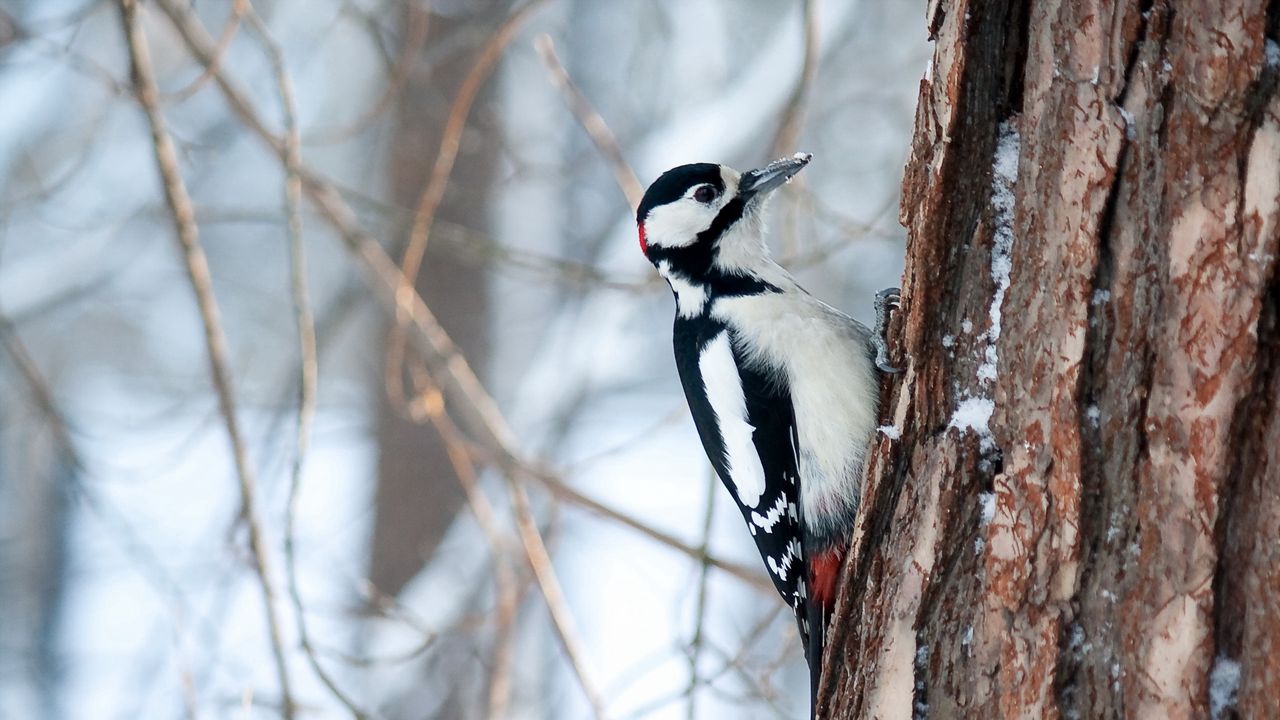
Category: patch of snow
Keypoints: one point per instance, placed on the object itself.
(967, 326)
(1101, 297)
(987, 370)
(1093, 414)
(988, 500)
(948, 340)
(1004, 179)
(973, 414)
(890, 431)
(1224, 684)
(967, 639)
(1272, 53)
(1130, 132)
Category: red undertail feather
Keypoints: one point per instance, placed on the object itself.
(824, 571)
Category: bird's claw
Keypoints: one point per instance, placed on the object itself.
(885, 299)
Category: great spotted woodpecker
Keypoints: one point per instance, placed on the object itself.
(783, 387)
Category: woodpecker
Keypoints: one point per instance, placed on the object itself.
(782, 387)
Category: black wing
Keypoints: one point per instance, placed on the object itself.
(774, 520)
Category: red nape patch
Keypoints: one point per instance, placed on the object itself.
(824, 571)
(644, 242)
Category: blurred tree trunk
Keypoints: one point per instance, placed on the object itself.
(38, 469)
(1110, 547)
(418, 494)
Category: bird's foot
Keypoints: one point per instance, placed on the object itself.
(885, 300)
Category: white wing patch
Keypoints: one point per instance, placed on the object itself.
(771, 518)
(780, 569)
(724, 391)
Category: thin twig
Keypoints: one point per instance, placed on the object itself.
(535, 551)
(308, 364)
(40, 391)
(238, 9)
(431, 405)
(415, 36)
(700, 612)
(197, 267)
(560, 489)
(504, 635)
(784, 140)
(544, 571)
(601, 136)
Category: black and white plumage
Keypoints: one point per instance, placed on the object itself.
(782, 387)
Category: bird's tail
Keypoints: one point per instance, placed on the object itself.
(824, 573)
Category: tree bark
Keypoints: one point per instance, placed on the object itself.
(1081, 515)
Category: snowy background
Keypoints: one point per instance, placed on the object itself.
(126, 580)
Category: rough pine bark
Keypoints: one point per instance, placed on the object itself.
(1081, 517)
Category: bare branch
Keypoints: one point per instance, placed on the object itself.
(784, 141)
(695, 645)
(197, 267)
(307, 353)
(415, 37)
(565, 492)
(601, 136)
(40, 390)
(540, 561)
(431, 405)
(238, 10)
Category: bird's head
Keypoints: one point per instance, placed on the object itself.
(700, 217)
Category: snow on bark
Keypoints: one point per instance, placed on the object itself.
(1224, 686)
(1004, 180)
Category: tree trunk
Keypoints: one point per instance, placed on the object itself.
(1081, 517)
(418, 493)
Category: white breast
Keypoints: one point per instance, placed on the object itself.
(724, 391)
(822, 356)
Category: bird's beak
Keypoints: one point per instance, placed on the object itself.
(757, 184)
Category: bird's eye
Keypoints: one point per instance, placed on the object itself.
(704, 194)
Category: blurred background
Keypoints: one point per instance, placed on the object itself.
(579, 562)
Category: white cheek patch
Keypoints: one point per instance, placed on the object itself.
(677, 224)
(724, 391)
